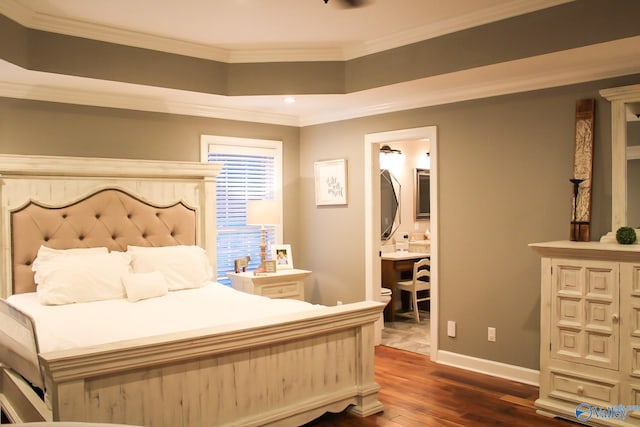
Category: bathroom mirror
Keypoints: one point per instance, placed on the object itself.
(625, 107)
(423, 194)
(389, 204)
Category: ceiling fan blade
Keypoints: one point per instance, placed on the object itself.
(350, 3)
(354, 3)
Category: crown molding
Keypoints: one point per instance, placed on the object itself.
(70, 27)
(285, 55)
(426, 32)
(135, 102)
(606, 60)
(627, 93)
(44, 22)
(623, 60)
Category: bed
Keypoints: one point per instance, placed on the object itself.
(283, 369)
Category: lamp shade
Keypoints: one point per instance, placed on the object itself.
(261, 212)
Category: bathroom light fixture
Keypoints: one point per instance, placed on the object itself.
(391, 158)
(424, 162)
(385, 149)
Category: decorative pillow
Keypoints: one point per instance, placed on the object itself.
(72, 277)
(139, 286)
(183, 267)
(46, 254)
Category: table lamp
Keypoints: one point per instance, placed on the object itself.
(263, 212)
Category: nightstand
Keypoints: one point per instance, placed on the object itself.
(281, 284)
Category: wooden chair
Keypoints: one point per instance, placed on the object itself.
(417, 284)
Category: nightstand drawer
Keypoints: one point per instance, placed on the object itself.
(281, 284)
(282, 290)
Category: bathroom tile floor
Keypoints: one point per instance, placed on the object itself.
(406, 334)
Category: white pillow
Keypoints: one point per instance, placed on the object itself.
(183, 267)
(140, 286)
(71, 278)
(46, 254)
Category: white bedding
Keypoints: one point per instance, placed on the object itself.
(100, 322)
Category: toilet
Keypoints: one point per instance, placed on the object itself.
(385, 295)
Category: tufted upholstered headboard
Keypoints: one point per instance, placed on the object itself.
(64, 202)
(110, 218)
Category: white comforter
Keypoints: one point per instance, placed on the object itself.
(85, 324)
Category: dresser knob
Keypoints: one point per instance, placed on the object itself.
(615, 318)
(580, 390)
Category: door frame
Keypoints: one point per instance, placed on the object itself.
(372, 220)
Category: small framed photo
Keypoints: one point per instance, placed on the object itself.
(270, 266)
(331, 182)
(283, 256)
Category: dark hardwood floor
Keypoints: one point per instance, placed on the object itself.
(417, 392)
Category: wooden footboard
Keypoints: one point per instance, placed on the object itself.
(286, 372)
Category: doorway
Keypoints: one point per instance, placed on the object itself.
(372, 143)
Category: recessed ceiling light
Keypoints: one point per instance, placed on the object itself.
(289, 100)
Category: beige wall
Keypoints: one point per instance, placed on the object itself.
(504, 169)
(44, 128)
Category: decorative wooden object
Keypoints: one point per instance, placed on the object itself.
(241, 264)
(582, 171)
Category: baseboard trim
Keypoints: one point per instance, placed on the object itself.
(489, 367)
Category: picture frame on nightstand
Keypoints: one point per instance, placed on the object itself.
(283, 256)
(270, 266)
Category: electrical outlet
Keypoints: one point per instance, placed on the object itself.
(339, 302)
(491, 334)
(451, 328)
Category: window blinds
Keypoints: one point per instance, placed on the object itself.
(244, 176)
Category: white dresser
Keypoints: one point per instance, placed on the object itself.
(281, 284)
(589, 330)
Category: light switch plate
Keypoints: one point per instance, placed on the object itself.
(451, 328)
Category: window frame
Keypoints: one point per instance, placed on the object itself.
(251, 147)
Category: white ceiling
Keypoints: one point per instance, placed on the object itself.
(284, 30)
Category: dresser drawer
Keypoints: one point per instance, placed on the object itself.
(584, 390)
(282, 290)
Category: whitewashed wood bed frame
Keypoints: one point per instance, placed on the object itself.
(285, 371)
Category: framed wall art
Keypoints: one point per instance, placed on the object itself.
(331, 182)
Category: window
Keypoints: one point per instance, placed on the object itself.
(251, 171)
